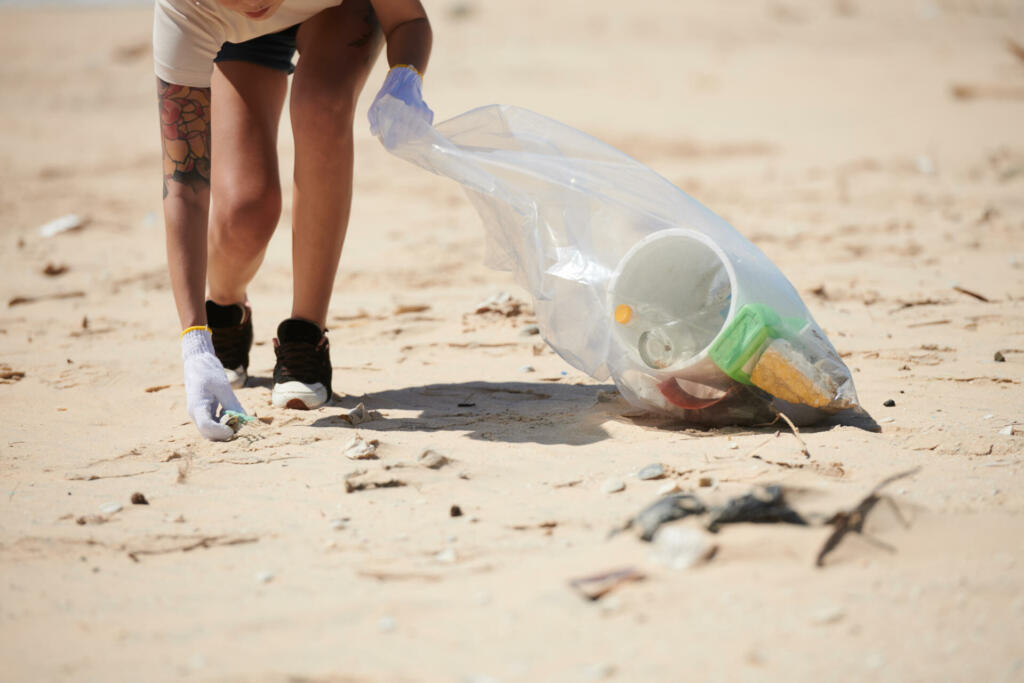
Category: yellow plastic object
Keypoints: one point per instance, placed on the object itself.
(623, 314)
(785, 373)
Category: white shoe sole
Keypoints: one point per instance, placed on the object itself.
(299, 396)
(236, 377)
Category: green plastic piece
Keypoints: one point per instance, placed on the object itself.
(746, 336)
(242, 417)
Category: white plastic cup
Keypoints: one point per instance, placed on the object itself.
(670, 297)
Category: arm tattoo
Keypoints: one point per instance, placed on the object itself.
(185, 131)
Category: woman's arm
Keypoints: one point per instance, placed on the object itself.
(407, 31)
(185, 133)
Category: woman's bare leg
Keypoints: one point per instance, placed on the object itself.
(337, 48)
(247, 100)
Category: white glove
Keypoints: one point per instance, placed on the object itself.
(206, 385)
(404, 84)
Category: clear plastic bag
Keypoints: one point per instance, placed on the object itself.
(632, 278)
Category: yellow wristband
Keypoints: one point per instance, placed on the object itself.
(408, 66)
(195, 327)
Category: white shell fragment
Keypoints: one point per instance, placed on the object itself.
(360, 449)
(359, 415)
(653, 471)
(613, 486)
(111, 508)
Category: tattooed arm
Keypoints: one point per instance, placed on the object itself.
(185, 132)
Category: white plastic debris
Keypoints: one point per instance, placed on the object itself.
(71, 221)
(111, 508)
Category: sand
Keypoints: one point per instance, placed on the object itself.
(872, 149)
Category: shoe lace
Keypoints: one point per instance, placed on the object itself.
(301, 360)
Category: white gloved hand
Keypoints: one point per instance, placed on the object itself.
(206, 385)
(404, 84)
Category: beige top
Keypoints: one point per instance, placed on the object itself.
(188, 33)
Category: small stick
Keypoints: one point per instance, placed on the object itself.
(760, 445)
(968, 292)
(796, 433)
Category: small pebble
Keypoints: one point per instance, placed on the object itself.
(455, 511)
(111, 508)
(705, 482)
(526, 368)
(386, 624)
(431, 459)
(652, 471)
(733, 446)
(613, 486)
(337, 524)
(139, 499)
(999, 357)
(264, 577)
(599, 672)
(888, 419)
(670, 487)
(828, 615)
(889, 403)
(446, 556)
(529, 331)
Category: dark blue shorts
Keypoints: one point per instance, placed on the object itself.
(274, 50)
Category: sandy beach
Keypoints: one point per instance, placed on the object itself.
(874, 150)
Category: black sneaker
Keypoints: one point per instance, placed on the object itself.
(231, 328)
(302, 374)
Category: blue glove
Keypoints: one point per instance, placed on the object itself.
(394, 124)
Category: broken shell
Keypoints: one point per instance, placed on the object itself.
(359, 449)
(432, 459)
(652, 471)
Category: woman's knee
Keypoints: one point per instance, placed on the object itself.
(245, 212)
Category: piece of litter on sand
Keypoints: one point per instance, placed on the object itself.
(1011, 430)
(649, 520)
(359, 415)
(432, 459)
(613, 486)
(446, 556)
(71, 221)
(682, 547)
(360, 449)
(764, 505)
(597, 586)
(852, 521)
(886, 420)
(526, 368)
(264, 577)
(235, 420)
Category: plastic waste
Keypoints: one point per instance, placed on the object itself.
(632, 278)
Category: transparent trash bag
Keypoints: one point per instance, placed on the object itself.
(632, 278)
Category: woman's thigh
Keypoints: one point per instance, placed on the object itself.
(246, 104)
(337, 49)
